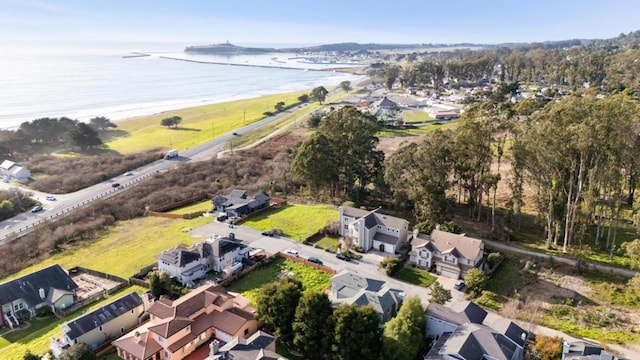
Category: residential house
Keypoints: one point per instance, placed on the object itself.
(188, 264)
(176, 328)
(373, 229)
(12, 170)
(452, 254)
(585, 350)
(102, 325)
(348, 287)
(259, 346)
(466, 331)
(49, 287)
(446, 115)
(237, 204)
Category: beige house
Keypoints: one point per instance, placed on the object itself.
(452, 254)
(101, 325)
(177, 328)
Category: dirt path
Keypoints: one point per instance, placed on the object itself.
(494, 245)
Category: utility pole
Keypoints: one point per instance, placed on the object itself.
(244, 116)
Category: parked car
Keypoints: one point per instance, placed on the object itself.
(459, 285)
(128, 173)
(50, 198)
(343, 257)
(292, 252)
(36, 209)
(315, 260)
(115, 185)
(267, 233)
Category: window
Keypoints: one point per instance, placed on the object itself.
(132, 311)
(246, 331)
(100, 329)
(346, 227)
(121, 330)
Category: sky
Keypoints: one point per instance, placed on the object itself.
(252, 22)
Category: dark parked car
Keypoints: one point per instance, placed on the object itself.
(259, 257)
(115, 185)
(343, 257)
(267, 233)
(315, 260)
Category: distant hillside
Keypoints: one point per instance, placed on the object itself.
(630, 40)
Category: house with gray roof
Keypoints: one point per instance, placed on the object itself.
(49, 287)
(188, 264)
(11, 170)
(466, 331)
(259, 346)
(102, 325)
(348, 287)
(585, 350)
(451, 254)
(237, 203)
(373, 229)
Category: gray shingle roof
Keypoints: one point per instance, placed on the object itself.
(465, 312)
(28, 286)
(385, 238)
(179, 256)
(85, 323)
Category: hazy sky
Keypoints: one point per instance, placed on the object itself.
(315, 22)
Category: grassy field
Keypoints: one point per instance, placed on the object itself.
(297, 221)
(199, 124)
(250, 284)
(204, 205)
(126, 247)
(328, 242)
(416, 276)
(415, 116)
(420, 130)
(35, 338)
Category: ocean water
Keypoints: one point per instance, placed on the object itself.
(82, 84)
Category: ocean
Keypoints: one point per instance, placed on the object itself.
(88, 82)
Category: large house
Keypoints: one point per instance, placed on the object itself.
(452, 254)
(187, 264)
(466, 331)
(177, 328)
(260, 346)
(101, 325)
(49, 287)
(373, 229)
(237, 204)
(348, 287)
(11, 170)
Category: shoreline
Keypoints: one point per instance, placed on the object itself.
(336, 69)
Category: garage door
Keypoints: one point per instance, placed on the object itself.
(449, 273)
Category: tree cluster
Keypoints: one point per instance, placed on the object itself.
(350, 134)
(14, 202)
(33, 136)
(307, 322)
(171, 121)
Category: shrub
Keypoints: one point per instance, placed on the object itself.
(23, 315)
(493, 259)
(391, 265)
(548, 347)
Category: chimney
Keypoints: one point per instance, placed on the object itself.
(136, 337)
(42, 293)
(232, 236)
(415, 233)
(437, 226)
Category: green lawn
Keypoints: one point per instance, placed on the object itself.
(416, 276)
(36, 338)
(328, 242)
(420, 130)
(297, 221)
(125, 247)
(204, 205)
(250, 284)
(199, 124)
(415, 116)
